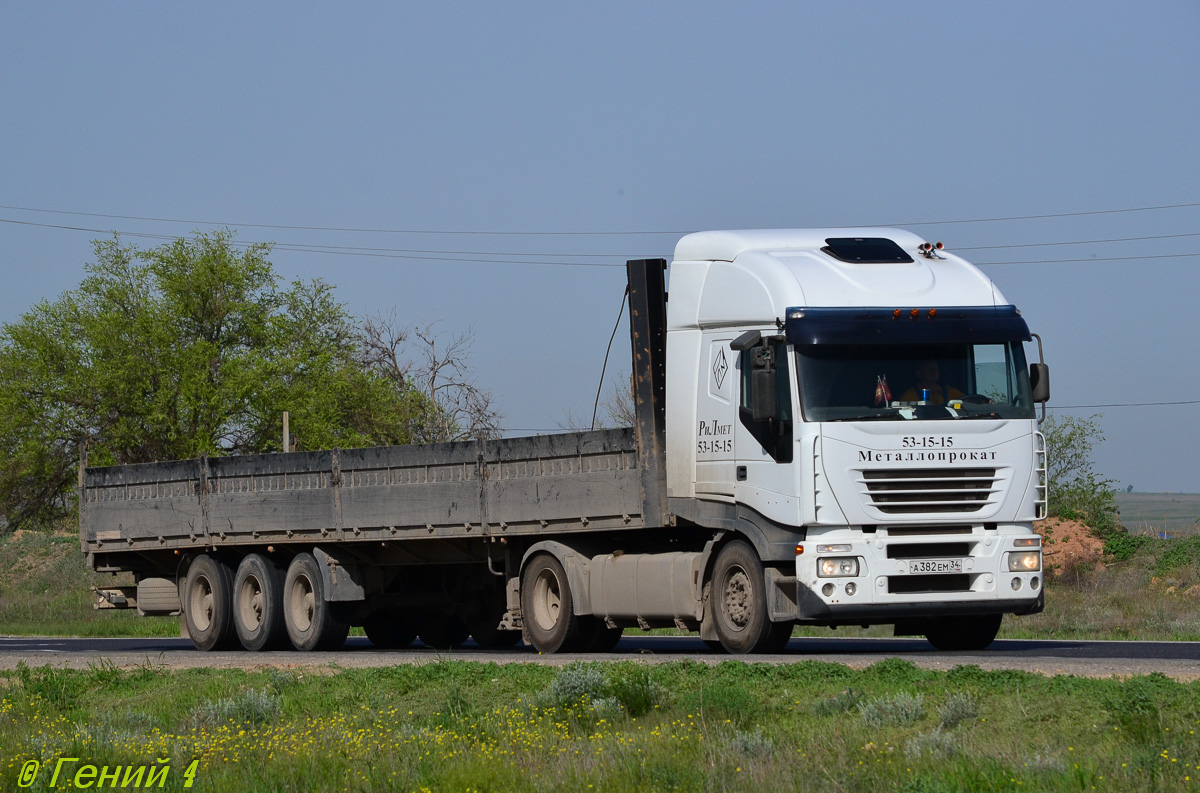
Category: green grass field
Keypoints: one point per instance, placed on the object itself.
(455, 725)
(1174, 514)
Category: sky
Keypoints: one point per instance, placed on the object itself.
(549, 142)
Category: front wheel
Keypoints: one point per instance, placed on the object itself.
(956, 634)
(739, 600)
(311, 624)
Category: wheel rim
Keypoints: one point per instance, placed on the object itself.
(302, 603)
(250, 603)
(200, 604)
(737, 598)
(547, 600)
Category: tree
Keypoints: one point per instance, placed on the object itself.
(187, 349)
(1074, 488)
(454, 408)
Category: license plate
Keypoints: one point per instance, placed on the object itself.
(925, 566)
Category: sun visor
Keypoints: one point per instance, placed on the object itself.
(929, 325)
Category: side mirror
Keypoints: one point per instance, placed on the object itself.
(1039, 382)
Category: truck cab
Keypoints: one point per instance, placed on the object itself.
(858, 401)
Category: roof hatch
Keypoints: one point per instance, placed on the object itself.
(865, 250)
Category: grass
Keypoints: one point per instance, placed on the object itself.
(456, 725)
(1173, 514)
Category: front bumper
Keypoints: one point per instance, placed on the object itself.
(812, 609)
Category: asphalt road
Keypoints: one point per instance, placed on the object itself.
(1180, 660)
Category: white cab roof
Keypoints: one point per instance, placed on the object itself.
(754, 276)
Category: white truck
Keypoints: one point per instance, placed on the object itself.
(834, 427)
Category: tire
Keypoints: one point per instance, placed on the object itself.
(776, 638)
(739, 599)
(208, 604)
(603, 639)
(956, 634)
(485, 627)
(389, 632)
(714, 645)
(549, 622)
(311, 623)
(258, 604)
(443, 633)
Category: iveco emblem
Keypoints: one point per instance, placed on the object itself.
(720, 367)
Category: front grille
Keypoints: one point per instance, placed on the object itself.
(912, 490)
(918, 584)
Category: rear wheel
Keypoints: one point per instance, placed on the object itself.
(258, 604)
(739, 595)
(603, 639)
(389, 632)
(953, 634)
(311, 623)
(207, 604)
(549, 623)
(443, 633)
(485, 627)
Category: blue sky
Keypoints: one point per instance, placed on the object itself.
(624, 117)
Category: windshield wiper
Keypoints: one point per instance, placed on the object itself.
(889, 413)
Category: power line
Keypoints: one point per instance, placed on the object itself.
(1074, 242)
(339, 250)
(1048, 215)
(1096, 259)
(1125, 405)
(352, 229)
(367, 230)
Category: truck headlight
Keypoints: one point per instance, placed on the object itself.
(1024, 562)
(837, 567)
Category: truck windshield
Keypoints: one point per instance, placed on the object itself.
(890, 382)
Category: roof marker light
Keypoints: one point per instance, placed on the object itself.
(932, 313)
(916, 312)
(896, 314)
(939, 246)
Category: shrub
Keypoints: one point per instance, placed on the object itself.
(575, 682)
(636, 690)
(839, 703)
(935, 744)
(899, 710)
(247, 707)
(751, 744)
(957, 709)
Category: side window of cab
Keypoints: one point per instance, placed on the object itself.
(765, 406)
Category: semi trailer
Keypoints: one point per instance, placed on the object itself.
(833, 427)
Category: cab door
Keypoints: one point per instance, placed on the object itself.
(765, 474)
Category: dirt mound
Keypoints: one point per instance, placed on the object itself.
(1067, 544)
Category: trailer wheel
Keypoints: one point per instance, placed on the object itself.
(443, 633)
(549, 622)
(954, 634)
(311, 624)
(258, 604)
(208, 593)
(484, 625)
(740, 601)
(389, 632)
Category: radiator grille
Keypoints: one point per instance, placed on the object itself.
(924, 490)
